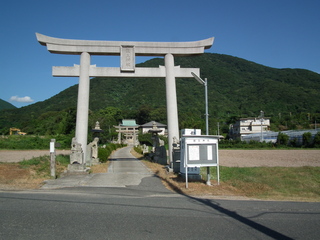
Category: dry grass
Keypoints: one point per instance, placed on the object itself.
(99, 168)
(17, 176)
(13, 176)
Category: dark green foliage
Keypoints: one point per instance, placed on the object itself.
(316, 140)
(282, 139)
(146, 139)
(107, 118)
(33, 142)
(5, 105)
(307, 139)
(104, 153)
(236, 88)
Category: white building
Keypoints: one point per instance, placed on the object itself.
(247, 126)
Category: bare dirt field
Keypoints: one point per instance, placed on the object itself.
(20, 155)
(269, 158)
(229, 158)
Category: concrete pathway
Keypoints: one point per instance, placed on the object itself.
(124, 170)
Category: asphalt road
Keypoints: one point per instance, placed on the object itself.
(147, 210)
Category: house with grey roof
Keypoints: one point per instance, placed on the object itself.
(148, 126)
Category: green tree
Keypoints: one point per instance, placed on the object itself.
(316, 140)
(307, 139)
(282, 139)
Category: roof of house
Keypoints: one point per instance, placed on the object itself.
(150, 125)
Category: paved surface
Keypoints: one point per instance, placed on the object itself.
(149, 212)
(124, 170)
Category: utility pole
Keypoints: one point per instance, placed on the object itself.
(205, 83)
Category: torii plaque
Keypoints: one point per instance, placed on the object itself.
(127, 52)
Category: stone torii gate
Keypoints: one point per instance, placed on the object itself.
(127, 52)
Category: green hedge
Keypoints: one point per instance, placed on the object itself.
(104, 153)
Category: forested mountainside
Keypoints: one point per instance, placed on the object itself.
(236, 88)
(5, 105)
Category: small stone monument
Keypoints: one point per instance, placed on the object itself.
(160, 154)
(76, 158)
(92, 148)
(94, 151)
(76, 152)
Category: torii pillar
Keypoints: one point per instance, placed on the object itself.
(127, 52)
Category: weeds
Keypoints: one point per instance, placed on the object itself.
(272, 182)
(41, 165)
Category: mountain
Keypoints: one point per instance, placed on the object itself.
(236, 88)
(5, 105)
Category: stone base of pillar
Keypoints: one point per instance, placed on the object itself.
(77, 168)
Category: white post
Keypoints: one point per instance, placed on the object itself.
(83, 103)
(172, 109)
(52, 158)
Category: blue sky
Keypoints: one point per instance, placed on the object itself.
(275, 33)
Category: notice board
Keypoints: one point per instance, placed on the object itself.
(200, 151)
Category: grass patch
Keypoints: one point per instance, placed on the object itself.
(27, 142)
(271, 182)
(41, 165)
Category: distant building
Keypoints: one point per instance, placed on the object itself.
(247, 126)
(147, 126)
(129, 129)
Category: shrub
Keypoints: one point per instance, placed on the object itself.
(138, 150)
(282, 139)
(104, 153)
(307, 139)
(316, 140)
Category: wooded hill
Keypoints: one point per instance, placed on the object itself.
(236, 88)
(5, 105)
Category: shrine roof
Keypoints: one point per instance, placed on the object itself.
(129, 123)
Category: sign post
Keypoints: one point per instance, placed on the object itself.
(52, 158)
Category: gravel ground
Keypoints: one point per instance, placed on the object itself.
(230, 158)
